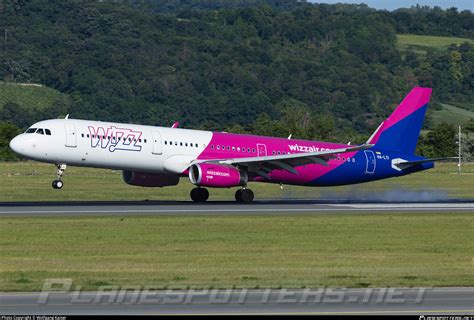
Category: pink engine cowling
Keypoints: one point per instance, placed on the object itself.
(216, 176)
(148, 179)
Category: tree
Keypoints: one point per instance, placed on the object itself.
(7, 132)
(442, 140)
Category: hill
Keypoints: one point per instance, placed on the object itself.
(423, 43)
(452, 115)
(26, 103)
(334, 71)
(29, 95)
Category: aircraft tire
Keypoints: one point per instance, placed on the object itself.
(199, 194)
(247, 196)
(238, 195)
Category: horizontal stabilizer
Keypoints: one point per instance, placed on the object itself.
(403, 164)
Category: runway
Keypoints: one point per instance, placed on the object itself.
(261, 207)
(325, 301)
(241, 301)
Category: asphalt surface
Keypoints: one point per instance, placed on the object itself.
(277, 301)
(282, 207)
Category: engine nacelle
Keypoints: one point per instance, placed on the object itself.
(148, 179)
(217, 176)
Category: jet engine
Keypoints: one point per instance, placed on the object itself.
(148, 179)
(216, 176)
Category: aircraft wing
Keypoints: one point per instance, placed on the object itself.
(264, 165)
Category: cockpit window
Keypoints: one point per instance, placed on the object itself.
(40, 131)
(48, 132)
(31, 130)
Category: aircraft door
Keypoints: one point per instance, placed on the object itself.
(262, 150)
(71, 139)
(156, 142)
(371, 162)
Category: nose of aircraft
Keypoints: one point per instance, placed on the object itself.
(16, 145)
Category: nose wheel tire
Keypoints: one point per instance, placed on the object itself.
(57, 184)
(244, 195)
(199, 195)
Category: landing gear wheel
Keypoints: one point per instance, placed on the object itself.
(246, 196)
(238, 195)
(199, 195)
(57, 184)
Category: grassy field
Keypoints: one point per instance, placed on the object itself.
(31, 181)
(420, 43)
(30, 96)
(396, 249)
(452, 115)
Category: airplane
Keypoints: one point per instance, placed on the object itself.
(158, 156)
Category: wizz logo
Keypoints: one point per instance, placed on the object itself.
(115, 138)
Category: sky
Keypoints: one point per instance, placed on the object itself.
(395, 4)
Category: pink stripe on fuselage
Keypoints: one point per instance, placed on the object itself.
(231, 146)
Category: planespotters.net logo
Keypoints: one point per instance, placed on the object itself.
(69, 293)
(446, 317)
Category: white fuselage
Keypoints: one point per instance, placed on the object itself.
(112, 145)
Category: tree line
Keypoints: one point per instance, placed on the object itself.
(331, 71)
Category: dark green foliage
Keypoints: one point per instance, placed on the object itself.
(439, 142)
(7, 132)
(265, 66)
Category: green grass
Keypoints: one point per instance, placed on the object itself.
(399, 249)
(420, 43)
(29, 96)
(452, 115)
(31, 181)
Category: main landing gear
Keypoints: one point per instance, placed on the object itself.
(244, 195)
(58, 184)
(199, 195)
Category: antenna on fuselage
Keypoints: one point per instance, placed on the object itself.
(67, 116)
(289, 137)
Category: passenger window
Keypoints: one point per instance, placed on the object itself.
(48, 132)
(191, 144)
(253, 150)
(40, 131)
(186, 144)
(218, 147)
(273, 152)
(196, 145)
(144, 140)
(233, 148)
(212, 146)
(180, 144)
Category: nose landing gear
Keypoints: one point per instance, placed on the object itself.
(58, 184)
